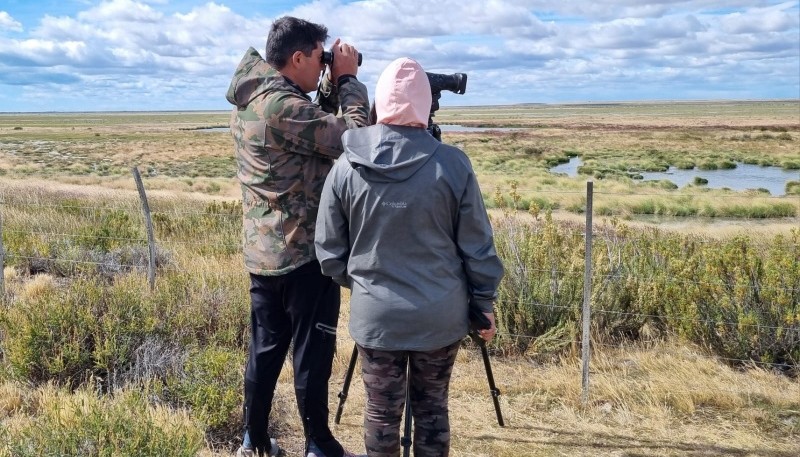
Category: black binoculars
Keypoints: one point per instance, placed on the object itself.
(327, 58)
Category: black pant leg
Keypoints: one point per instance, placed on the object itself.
(313, 302)
(269, 342)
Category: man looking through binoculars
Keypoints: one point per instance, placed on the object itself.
(285, 144)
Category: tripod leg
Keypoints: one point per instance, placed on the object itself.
(488, 367)
(492, 388)
(346, 385)
(405, 441)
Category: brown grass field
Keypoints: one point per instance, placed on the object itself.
(665, 398)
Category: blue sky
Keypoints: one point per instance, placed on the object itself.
(133, 55)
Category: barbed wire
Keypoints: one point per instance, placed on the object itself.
(577, 307)
(134, 207)
(596, 192)
(75, 235)
(711, 356)
(550, 271)
(67, 207)
(91, 262)
(668, 279)
(135, 204)
(144, 241)
(644, 344)
(199, 243)
(198, 213)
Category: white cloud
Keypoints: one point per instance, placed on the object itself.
(162, 48)
(760, 21)
(9, 23)
(380, 19)
(124, 11)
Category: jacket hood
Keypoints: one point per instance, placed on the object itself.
(388, 153)
(253, 77)
(403, 94)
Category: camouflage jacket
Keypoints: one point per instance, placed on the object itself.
(285, 144)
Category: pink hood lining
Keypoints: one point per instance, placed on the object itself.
(403, 94)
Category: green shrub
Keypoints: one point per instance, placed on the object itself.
(740, 301)
(553, 161)
(114, 229)
(214, 230)
(211, 386)
(536, 301)
(212, 311)
(700, 181)
(667, 184)
(744, 301)
(656, 167)
(82, 424)
(79, 332)
(48, 337)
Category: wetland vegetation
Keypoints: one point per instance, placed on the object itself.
(696, 328)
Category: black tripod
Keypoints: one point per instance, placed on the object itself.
(405, 440)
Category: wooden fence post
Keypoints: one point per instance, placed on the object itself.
(151, 264)
(2, 260)
(587, 295)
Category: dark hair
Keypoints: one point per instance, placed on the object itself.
(289, 34)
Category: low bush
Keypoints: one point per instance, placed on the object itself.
(72, 334)
(210, 385)
(740, 298)
(82, 424)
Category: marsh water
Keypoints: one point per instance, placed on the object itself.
(743, 177)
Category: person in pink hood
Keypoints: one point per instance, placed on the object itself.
(402, 224)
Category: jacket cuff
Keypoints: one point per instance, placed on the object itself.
(486, 306)
(343, 79)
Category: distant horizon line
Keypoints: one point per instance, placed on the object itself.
(596, 102)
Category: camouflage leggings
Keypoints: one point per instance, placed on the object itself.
(384, 374)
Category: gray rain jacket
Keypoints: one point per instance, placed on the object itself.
(403, 225)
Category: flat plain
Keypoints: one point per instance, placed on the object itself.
(656, 395)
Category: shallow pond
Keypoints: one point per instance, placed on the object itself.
(742, 177)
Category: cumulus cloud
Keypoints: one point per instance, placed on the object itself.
(762, 20)
(513, 50)
(8, 23)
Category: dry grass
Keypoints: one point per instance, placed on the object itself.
(667, 399)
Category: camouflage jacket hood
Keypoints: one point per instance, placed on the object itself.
(285, 145)
(254, 77)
